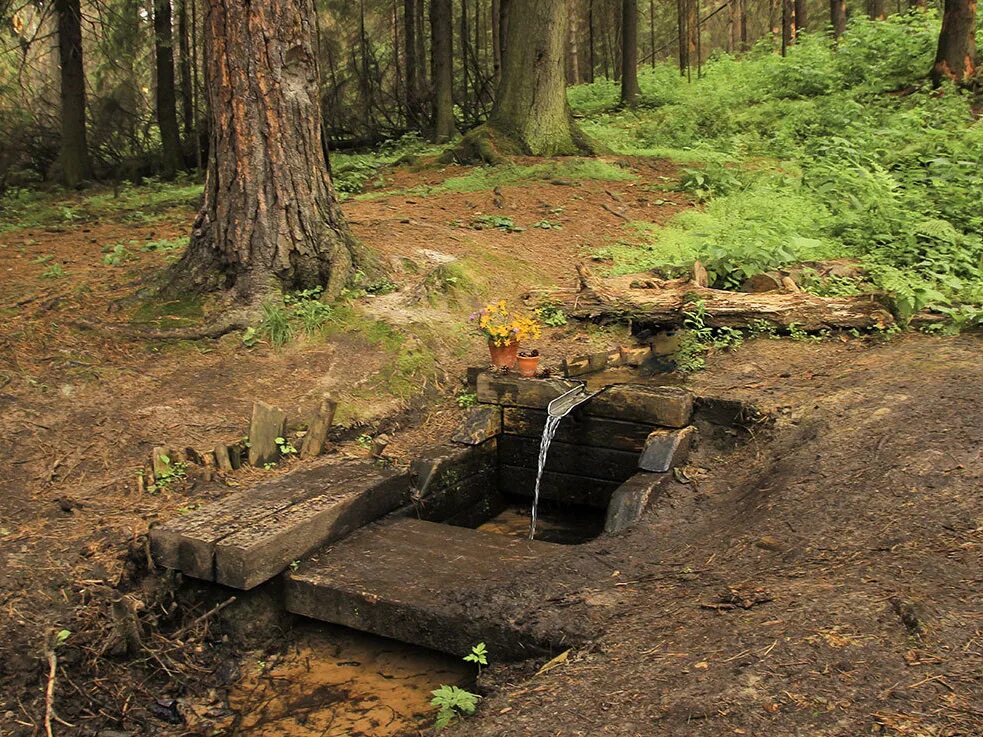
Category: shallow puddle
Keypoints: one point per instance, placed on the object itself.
(336, 682)
(557, 524)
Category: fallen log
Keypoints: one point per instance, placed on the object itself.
(664, 301)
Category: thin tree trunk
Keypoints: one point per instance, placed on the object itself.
(573, 51)
(504, 12)
(801, 16)
(187, 108)
(693, 40)
(195, 87)
(955, 59)
(170, 136)
(876, 9)
(837, 17)
(270, 219)
(74, 154)
(496, 25)
(629, 53)
(652, 32)
(465, 99)
(787, 25)
(441, 31)
(410, 62)
(682, 17)
(590, 33)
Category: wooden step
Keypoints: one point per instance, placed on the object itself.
(419, 582)
(252, 535)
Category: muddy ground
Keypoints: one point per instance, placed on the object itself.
(820, 577)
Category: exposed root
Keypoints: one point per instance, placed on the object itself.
(226, 322)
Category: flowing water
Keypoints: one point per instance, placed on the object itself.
(555, 411)
(549, 430)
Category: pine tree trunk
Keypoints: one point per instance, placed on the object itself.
(801, 16)
(496, 25)
(74, 155)
(270, 219)
(170, 137)
(956, 56)
(787, 25)
(837, 17)
(187, 103)
(531, 115)
(412, 75)
(573, 50)
(875, 9)
(682, 17)
(441, 31)
(629, 53)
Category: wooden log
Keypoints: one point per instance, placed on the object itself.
(266, 426)
(223, 460)
(579, 428)
(662, 302)
(579, 460)
(317, 430)
(514, 391)
(666, 406)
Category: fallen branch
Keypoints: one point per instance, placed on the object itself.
(207, 615)
(664, 301)
(49, 694)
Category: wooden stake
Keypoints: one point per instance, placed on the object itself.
(317, 430)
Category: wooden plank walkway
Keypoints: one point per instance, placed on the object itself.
(251, 536)
(412, 580)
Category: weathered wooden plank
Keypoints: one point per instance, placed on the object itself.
(579, 460)
(458, 499)
(317, 429)
(481, 424)
(515, 391)
(563, 487)
(668, 406)
(188, 543)
(266, 425)
(260, 551)
(579, 428)
(362, 582)
(443, 467)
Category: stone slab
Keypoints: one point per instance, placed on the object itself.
(630, 500)
(667, 406)
(481, 424)
(514, 391)
(563, 487)
(579, 428)
(188, 543)
(665, 449)
(418, 582)
(579, 460)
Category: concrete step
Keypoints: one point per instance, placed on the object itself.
(250, 536)
(419, 582)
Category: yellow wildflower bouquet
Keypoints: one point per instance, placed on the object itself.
(503, 327)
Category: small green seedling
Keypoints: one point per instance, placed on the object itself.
(451, 703)
(285, 446)
(478, 656)
(364, 441)
(466, 400)
(55, 271)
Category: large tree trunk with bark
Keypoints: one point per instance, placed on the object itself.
(74, 159)
(837, 17)
(531, 115)
(641, 297)
(170, 137)
(956, 56)
(442, 51)
(630, 90)
(270, 220)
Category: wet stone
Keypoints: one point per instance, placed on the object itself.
(665, 449)
(481, 424)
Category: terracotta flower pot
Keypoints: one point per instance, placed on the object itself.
(503, 356)
(528, 363)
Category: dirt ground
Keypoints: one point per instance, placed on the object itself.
(849, 530)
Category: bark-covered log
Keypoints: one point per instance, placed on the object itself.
(663, 302)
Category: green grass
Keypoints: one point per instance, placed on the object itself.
(813, 156)
(486, 178)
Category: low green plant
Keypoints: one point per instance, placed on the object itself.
(547, 225)
(452, 703)
(551, 315)
(364, 441)
(55, 271)
(285, 447)
(466, 400)
(116, 255)
(166, 244)
(168, 472)
(275, 324)
(499, 222)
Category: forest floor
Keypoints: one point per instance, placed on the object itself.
(852, 526)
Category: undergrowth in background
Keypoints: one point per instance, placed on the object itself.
(834, 151)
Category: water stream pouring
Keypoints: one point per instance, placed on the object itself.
(555, 411)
